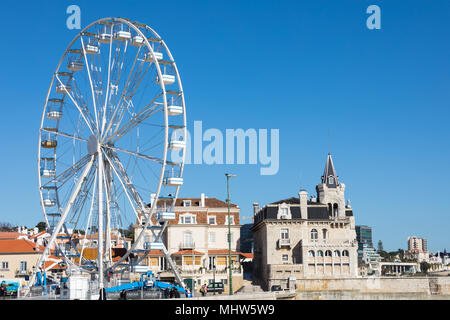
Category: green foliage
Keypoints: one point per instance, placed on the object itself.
(425, 266)
(41, 226)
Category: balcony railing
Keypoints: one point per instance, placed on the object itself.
(284, 242)
(187, 245)
(22, 272)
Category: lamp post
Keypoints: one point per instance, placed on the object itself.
(230, 280)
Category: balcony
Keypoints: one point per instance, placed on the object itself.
(22, 272)
(284, 243)
(187, 245)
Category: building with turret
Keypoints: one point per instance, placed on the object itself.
(306, 238)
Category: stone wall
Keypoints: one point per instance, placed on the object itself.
(388, 285)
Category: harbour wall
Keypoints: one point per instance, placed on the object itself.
(374, 288)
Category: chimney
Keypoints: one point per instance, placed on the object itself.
(255, 208)
(303, 195)
(202, 200)
(152, 199)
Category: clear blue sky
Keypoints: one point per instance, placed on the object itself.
(304, 67)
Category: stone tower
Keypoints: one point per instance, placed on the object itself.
(331, 191)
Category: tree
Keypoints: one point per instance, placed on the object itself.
(424, 266)
(6, 227)
(41, 226)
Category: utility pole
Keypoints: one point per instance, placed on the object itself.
(230, 275)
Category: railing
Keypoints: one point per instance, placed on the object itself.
(23, 272)
(187, 245)
(284, 242)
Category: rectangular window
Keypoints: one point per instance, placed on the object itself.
(231, 220)
(187, 203)
(188, 219)
(212, 263)
(284, 233)
(5, 265)
(211, 219)
(23, 266)
(230, 237)
(162, 263)
(221, 261)
(212, 237)
(154, 262)
(190, 260)
(285, 258)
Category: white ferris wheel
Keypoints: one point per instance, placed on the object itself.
(113, 118)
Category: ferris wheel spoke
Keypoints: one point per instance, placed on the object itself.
(90, 82)
(63, 134)
(131, 193)
(77, 106)
(140, 155)
(82, 197)
(143, 115)
(117, 164)
(69, 172)
(107, 84)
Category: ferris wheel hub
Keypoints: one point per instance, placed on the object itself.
(92, 145)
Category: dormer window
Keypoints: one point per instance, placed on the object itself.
(284, 212)
(187, 203)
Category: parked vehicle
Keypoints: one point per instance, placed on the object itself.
(276, 287)
(215, 287)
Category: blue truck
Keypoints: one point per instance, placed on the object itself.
(147, 282)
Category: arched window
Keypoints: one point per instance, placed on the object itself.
(311, 253)
(328, 253)
(335, 210)
(336, 253)
(331, 180)
(345, 253)
(320, 253)
(314, 234)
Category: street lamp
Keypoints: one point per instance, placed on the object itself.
(230, 280)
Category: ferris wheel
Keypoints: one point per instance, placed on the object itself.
(111, 147)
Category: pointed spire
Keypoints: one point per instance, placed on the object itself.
(329, 175)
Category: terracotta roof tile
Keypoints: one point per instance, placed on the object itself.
(221, 251)
(10, 235)
(188, 252)
(18, 246)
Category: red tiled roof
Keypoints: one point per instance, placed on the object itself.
(55, 267)
(221, 251)
(151, 253)
(209, 202)
(188, 252)
(10, 235)
(247, 255)
(18, 246)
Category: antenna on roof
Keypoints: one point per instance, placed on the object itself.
(328, 141)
